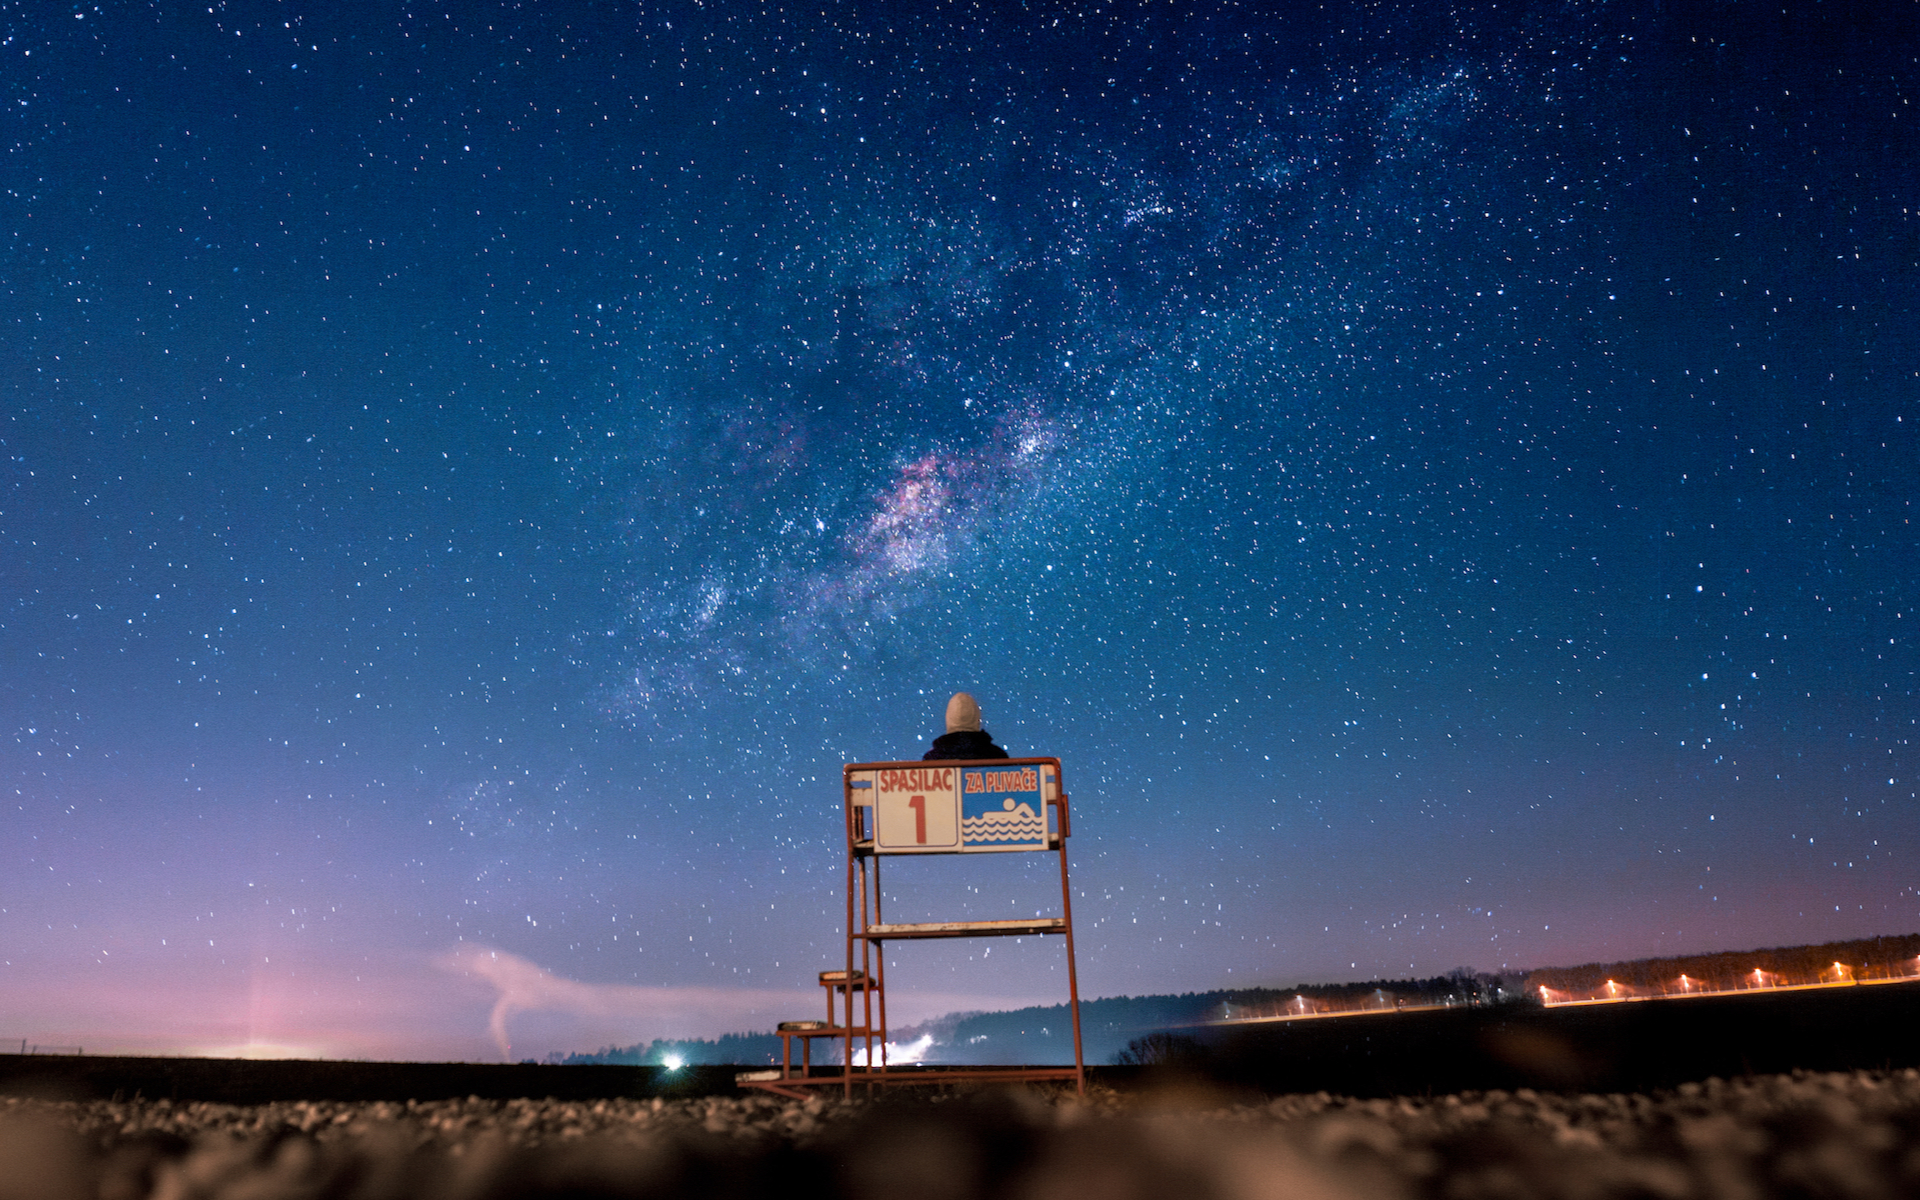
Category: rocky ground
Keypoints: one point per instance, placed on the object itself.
(1804, 1135)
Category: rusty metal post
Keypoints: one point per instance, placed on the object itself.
(853, 864)
(879, 952)
(1073, 974)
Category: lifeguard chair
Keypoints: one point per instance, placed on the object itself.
(987, 806)
(840, 1022)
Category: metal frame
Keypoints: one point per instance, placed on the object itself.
(868, 933)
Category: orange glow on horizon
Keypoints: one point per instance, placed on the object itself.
(258, 1049)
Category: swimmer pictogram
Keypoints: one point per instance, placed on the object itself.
(1014, 822)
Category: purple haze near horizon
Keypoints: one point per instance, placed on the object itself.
(1441, 480)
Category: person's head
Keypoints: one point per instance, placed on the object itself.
(963, 714)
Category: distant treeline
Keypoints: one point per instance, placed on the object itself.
(1459, 986)
(1868, 958)
(1044, 1034)
(734, 1048)
(1109, 1026)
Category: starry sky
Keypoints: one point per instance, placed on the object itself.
(1441, 478)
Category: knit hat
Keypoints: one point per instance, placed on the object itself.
(963, 714)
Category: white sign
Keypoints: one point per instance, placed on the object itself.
(917, 810)
(936, 809)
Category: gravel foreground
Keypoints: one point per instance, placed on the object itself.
(1805, 1135)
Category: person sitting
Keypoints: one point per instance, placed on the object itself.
(964, 738)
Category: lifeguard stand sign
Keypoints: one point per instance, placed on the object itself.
(963, 808)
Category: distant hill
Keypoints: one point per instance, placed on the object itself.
(1044, 1034)
(1867, 958)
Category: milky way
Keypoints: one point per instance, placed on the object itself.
(1441, 482)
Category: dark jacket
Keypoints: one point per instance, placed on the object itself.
(968, 743)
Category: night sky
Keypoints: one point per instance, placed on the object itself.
(1441, 478)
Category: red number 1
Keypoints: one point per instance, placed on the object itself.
(919, 806)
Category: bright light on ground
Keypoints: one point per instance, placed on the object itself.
(897, 1054)
(674, 1062)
